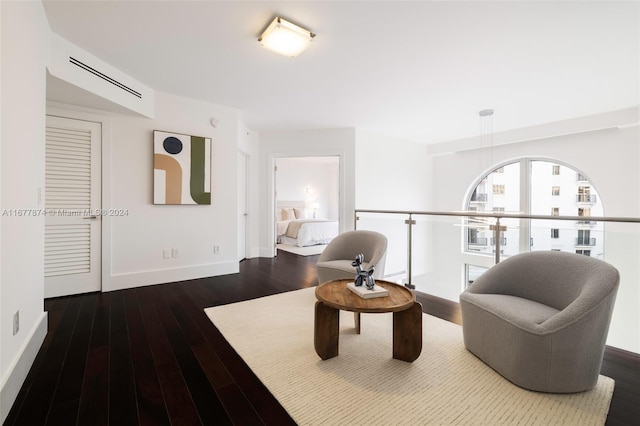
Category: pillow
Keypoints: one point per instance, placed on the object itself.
(288, 214)
(300, 213)
(279, 215)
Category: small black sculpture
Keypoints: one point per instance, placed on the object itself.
(365, 277)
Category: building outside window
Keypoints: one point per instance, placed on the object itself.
(584, 195)
(584, 211)
(584, 238)
(523, 186)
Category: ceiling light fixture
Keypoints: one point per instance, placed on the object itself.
(285, 38)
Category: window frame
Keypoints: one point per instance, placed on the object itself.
(525, 167)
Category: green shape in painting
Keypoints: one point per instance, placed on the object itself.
(198, 162)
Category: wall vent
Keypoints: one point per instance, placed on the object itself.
(105, 77)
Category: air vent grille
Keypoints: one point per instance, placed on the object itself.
(105, 77)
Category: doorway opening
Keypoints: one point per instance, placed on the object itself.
(307, 203)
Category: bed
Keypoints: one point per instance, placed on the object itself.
(295, 227)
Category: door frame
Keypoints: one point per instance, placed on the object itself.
(245, 191)
(271, 198)
(67, 284)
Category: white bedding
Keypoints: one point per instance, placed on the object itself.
(281, 227)
(312, 232)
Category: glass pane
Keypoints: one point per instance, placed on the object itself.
(561, 189)
(473, 272)
(498, 192)
(441, 267)
(395, 229)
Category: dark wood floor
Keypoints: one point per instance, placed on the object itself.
(150, 356)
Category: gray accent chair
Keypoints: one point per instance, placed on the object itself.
(541, 319)
(335, 261)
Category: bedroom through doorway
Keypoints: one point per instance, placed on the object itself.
(307, 203)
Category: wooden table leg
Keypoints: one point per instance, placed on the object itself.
(356, 319)
(326, 331)
(407, 333)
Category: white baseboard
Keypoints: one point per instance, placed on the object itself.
(161, 276)
(20, 367)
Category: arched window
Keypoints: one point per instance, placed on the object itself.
(537, 187)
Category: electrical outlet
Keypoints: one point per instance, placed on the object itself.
(16, 322)
(175, 252)
(216, 249)
(166, 254)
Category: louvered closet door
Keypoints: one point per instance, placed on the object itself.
(72, 203)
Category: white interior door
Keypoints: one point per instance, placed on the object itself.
(242, 206)
(72, 203)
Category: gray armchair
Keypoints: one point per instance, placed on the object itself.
(335, 261)
(541, 319)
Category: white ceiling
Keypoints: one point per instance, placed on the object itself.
(419, 70)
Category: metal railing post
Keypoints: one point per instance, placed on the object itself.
(497, 231)
(409, 222)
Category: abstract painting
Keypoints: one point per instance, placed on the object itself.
(181, 169)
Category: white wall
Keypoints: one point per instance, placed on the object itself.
(24, 37)
(132, 245)
(392, 174)
(326, 142)
(137, 240)
(297, 175)
(609, 157)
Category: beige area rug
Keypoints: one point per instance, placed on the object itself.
(364, 385)
(302, 251)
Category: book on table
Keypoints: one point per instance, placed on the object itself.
(365, 293)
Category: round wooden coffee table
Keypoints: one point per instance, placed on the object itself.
(334, 296)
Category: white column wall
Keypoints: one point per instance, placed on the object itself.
(24, 51)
